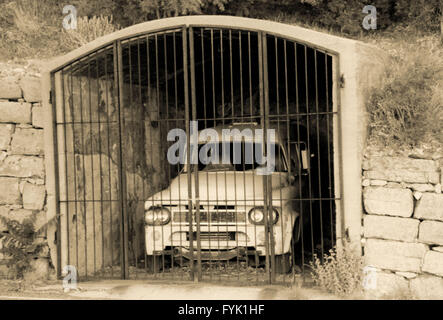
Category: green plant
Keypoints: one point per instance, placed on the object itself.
(340, 272)
(18, 245)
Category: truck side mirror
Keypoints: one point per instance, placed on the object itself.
(305, 159)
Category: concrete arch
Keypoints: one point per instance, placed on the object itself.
(356, 68)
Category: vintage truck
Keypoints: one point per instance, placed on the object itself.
(231, 204)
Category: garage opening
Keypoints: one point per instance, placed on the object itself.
(127, 210)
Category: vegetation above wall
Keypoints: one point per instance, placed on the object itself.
(406, 110)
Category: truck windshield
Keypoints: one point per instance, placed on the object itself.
(239, 156)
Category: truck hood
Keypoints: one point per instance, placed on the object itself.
(220, 186)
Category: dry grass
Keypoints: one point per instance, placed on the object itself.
(89, 29)
(34, 28)
(408, 108)
(340, 272)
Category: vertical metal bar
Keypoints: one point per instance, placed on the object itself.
(261, 64)
(257, 259)
(278, 119)
(242, 153)
(308, 146)
(290, 169)
(111, 200)
(318, 155)
(206, 125)
(71, 102)
(100, 161)
(328, 128)
(137, 188)
(177, 122)
(92, 165)
(300, 184)
(62, 80)
(148, 67)
(83, 176)
(122, 174)
(165, 51)
(133, 126)
(267, 181)
(157, 77)
(338, 153)
(196, 188)
(57, 180)
(188, 148)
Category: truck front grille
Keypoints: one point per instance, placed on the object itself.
(209, 215)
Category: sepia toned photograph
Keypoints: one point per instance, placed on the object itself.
(201, 151)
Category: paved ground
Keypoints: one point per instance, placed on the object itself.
(141, 290)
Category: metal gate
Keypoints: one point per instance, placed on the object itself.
(124, 111)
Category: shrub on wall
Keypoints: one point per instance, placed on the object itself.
(19, 246)
(408, 107)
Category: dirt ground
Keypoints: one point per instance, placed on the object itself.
(143, 290)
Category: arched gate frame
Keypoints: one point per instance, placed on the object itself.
(86, 84)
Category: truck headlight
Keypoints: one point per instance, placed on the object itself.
(157, 216)
(257, 216)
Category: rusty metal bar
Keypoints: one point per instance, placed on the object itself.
(122, 175)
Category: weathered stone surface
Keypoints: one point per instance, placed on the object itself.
(429, 207)
(388, 201)
(407, 275)
(6, 131)
(396, 163)
(421, 187)
(9, 191)
(403, 175)
(418, 195)
(33, 197)
(389, 286)
(431, 232)
(9, 89)
(433, 263)
(38, 116)
(39, 270)
(390, 228)
(394, 255)
(434, 177)
(27, 142)
(379, 183)
(438, 249)
(15, 112)
(31, 89)
(22, 167)
(4, 212)
(19, 215)
(427, 287)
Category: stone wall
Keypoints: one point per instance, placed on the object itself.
(403, 223)
(22, 174)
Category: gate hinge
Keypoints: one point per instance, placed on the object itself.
(342, 80)
(50, 96)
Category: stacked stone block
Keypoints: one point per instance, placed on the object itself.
(403, 225)
(22, 174)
